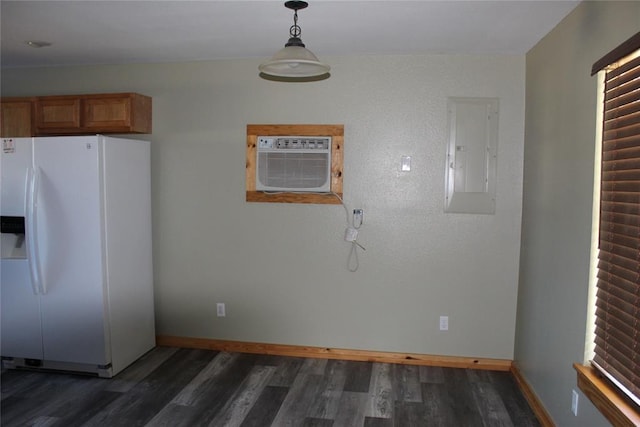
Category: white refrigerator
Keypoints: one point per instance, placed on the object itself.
(76, 280)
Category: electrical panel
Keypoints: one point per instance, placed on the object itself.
(471, 161)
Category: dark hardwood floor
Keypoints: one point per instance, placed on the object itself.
(186, 387)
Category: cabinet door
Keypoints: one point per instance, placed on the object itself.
(17, 118)
(107, 113)
(116, 113)
(57, 115)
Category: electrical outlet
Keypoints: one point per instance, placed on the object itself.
(220, 309)
(444, 323)
(358, 217)
(574, 402)
(405, 164)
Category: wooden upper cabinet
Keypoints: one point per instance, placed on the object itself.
(126, 113)
(57, 113)
(17, 117)
(90, 114)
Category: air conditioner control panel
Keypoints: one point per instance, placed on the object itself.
(293, 143)
(265, 142)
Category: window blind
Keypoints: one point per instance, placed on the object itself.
(617, 340)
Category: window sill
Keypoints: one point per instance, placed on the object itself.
(259, 196)
(606, 398)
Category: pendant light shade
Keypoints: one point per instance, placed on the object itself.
(294, 61)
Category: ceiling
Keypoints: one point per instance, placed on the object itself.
(115, 32)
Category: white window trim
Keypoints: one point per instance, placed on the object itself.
(589, 344)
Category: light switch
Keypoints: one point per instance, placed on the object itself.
(405, 164)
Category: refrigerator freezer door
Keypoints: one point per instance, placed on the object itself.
(20, 332)
(71, 249)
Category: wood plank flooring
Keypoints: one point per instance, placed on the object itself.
(188, 387)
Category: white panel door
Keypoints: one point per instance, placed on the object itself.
(21, 334)
(70, 217)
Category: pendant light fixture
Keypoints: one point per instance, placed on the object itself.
(294, 62)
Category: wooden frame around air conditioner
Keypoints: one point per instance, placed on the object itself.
(336, 132)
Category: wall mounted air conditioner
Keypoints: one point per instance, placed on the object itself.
(294, 164)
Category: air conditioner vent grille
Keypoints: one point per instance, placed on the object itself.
(288, 163)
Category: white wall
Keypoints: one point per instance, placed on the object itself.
(558, 195)
(281, 268)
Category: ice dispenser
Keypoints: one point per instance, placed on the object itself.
(12, 237)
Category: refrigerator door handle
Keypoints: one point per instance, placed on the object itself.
(31, 210)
